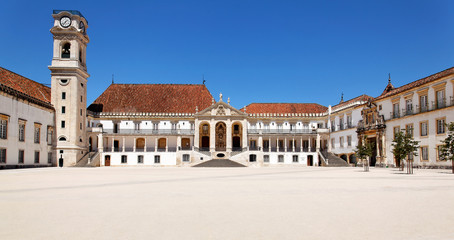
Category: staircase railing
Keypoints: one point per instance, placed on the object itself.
(324, 155)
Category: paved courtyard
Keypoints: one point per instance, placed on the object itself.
(229, 203)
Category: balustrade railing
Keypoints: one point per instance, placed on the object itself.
(439, 104)
(150, 131)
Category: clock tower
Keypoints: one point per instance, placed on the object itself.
(69, 85)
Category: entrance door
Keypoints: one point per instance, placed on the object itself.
(162, 143)
(116, 146)
(310, 160)
(107, 161)
(205, 143)
(220, 136)
(373, 159)
(90, 148)
(236, 142)
(185, 144)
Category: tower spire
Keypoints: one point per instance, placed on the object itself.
(389, 77)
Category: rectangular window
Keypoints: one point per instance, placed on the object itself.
(37, 133)
(80, 126)
(332, 143)
(63, 109)
(409, 106)
(81, 99)
(349, 141)
(440, 95)
(124, 159)
(50, 134)
(439, 156)
(424, 153)
(63, 95)
(3, 127)
(349, 121)
(341, 142)
(20, 156)
(441, 126)
(395, 110)
(396, 130)
(266, 144)
(185, 157)
(49, 158)
(80, 112)
(252, 158)
(423, 129)
(21, 131)
(140, 159)
(409, 129)
(333, 126)
(295, 158)
(423, 103)
(280, 158)
(266, 158)
(2, 155)
(157, 159)
(63, 124)
(36, 156)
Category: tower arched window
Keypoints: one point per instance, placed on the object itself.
(66, 50)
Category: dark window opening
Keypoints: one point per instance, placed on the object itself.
(66, 51)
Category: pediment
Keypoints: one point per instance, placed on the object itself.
(221, 109)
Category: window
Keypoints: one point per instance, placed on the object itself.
(440, 95)
(50, 134)
(266, 144)
(21, 130)
(332, 143)
(395, 110)
(63, 95)
(439, 156)
(409, 129)
(341, 123)
(266, 158)
(36, 156)
(185, 157)
(63, 81)
(63, 109)
(441, 126)
(80, 126)
(66, 50)
(140, 159)
(423, 103)
(380, 107)
(81, 99)
(333, 126)
(62, 139)
(349, 121)
(252, 158)
(124, 159)
(63, 124)
(20, 156)
(37, 132)
(349, 141)
(424, 153)
(295, 158)
(280, 158)
(423, 129)
(49, 158)
(137, 126)
(2, 155)
(3, 126)
(396, 130)
(409, 106)
(157, 159)
(341, 141)
(80, 112)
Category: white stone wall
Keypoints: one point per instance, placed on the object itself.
(32, 114)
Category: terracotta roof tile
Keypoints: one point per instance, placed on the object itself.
(416, 83)
(24, 85)
(361, 98)
(152, 98)
(285, 108)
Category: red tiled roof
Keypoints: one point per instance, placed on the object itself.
(152, 98)
(416, 83)
(285, 108)
(27, 87)
(361, 98)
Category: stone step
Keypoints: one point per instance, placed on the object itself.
(219, 163)
(335, 161)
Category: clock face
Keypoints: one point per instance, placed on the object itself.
(65, 22)
(82, 27)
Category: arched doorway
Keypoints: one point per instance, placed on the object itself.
(352, 159)
(237, 132)
(204, 133)
(344, 157)
(140, 144)
(220, 136)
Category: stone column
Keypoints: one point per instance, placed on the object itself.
(244, 137)
(383, 146)
(277, 144)
(156, 144)
(317, 143)
(145, 145)
(260, 143)
(100, 143)
(134, 145)
(123, 144)
(178, 142)
(228, 138)
(167, 144)
(310, 144)
(377, 145)
(212, 135)
(285, 144)
(301, 145)
(196, 133)
(113, 149)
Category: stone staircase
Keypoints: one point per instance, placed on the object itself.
(219, 163)
(333, 160)
(91, 159)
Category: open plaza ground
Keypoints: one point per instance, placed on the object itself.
(226, 203)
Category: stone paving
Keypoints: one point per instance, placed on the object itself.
(226, 203)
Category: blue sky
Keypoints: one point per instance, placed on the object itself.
(251, 51)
